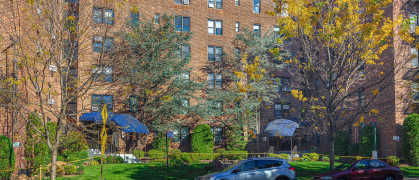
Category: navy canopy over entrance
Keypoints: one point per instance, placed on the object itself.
(95, 117)
(130, 124)
(126, 122)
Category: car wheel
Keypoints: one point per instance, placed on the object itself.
(389, 177)
(281, 178)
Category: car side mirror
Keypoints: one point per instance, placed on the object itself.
(354, 168)
(235, 171)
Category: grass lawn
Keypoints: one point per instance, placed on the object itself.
(140, 171)
(305, 170)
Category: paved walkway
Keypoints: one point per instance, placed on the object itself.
(414, 178)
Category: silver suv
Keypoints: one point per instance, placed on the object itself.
(255, 169)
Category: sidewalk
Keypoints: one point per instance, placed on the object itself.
(412, 178)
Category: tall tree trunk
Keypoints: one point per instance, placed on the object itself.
(54, 164)
(332, 152)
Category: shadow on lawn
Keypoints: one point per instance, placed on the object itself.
(158, 171)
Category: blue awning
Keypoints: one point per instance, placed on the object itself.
(129, 123)
(126, 122)
(95, 117)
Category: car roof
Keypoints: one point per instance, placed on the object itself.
(267, 158)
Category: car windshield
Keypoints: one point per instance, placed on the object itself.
(232, 166)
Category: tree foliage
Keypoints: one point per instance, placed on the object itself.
(202, 139)
(7, 158)
(155, 72)
(410, 139)
(73, 147)
(36, 150)
(235, 139)
(337, 58)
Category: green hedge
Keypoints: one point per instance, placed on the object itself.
(7, 157)
(202, 139)
(410, 139)
(138, 154)
(367, 141)
(341, 143)
(156, 154)
(282, 156)
(236, 155)
(70, 170)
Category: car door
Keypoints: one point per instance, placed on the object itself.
(361, 170)
(266, 168)
(377, 169)
(247, 171)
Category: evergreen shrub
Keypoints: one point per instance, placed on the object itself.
(353, 149)
(367, 141)
(202, 139)
(341, 143)
(70, 170)
(410, 139)
(7, 157)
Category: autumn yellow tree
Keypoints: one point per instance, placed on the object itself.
(341, 64)
(62, 50)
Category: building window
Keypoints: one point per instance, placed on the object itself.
(183, 52)
(237, 2)
(181, 134)
(217, 4)
(256, 6)
(185, 104)
(281, 110)
(361, 98)
(185, 76)
(103, 15)
(98, 101)
(98, 44)
(415, 90)
(182, 2)
(414, 21)
(156, 18)
(283, 84)
(318, 139)
(215, 80)
(414, 54)
(215, 53)
(215, 27)
(182, 24)
(215, 107)
(217, 132)
(133, 104)
(237, 27)
(104, 74)
(135, 18)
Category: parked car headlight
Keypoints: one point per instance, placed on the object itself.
(326, 177)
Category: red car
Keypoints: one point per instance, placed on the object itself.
(370, 169)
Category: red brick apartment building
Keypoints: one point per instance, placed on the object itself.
(213, 23)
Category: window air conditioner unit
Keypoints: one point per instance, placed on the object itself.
(211, 5)
(186, 2)
(53, 68)
(51, 101)
(286, 89)
(95, 108)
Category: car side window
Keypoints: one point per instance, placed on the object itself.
(362, 165)
(247, 166)
(377, 164)
(263, 164)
